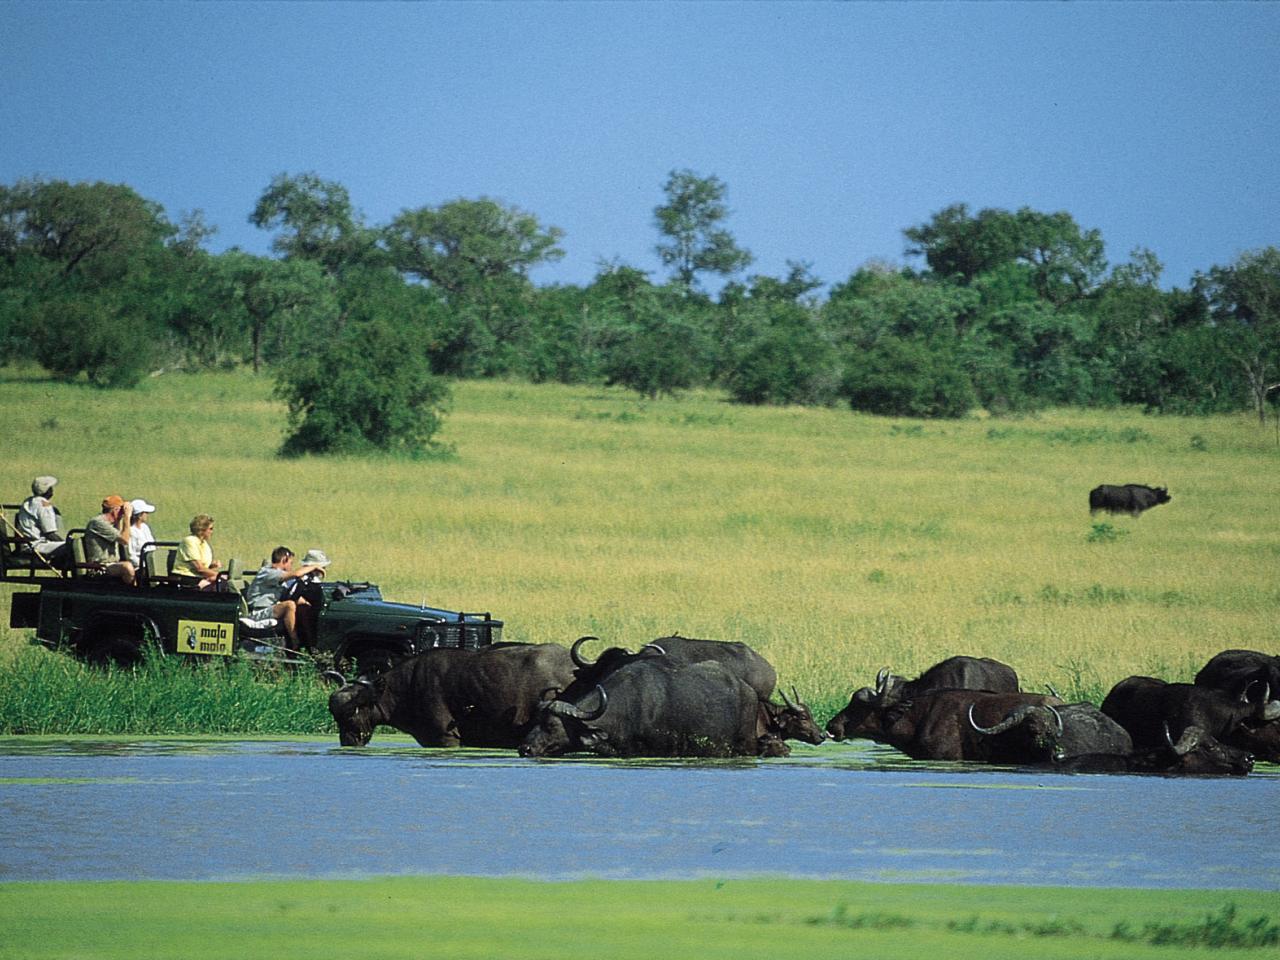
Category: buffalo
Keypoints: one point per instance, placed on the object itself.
(1130, 498)
(954, 673)
(654, 706)
(950, 725)
(1247, 675)
(1155, 712)
(1061, 735)
(1241, 673)
(448, 697)
(738, 658)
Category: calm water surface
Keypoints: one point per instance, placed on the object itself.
(88, 810)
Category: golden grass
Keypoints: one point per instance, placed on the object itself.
(835, 543)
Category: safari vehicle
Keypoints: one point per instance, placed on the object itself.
(103, 620)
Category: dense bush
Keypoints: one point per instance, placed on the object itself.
(369, 388)
(908, 378)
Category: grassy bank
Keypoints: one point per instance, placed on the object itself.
(835, 543)
(511, 919)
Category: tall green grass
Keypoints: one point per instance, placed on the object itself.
(835, 543)
(49, 693)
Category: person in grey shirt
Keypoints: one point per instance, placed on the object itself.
(37, 520)
(262, 595)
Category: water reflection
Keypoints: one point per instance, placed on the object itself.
(182, 809)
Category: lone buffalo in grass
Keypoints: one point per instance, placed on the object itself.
(1130, 498)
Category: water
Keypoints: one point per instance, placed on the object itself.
(90, 810)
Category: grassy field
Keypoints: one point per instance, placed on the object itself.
(514, 919)
(835, 543)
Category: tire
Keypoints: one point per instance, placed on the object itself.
(115, 644)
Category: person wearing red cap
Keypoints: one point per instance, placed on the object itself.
(106, 534)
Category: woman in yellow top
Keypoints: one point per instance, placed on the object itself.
(195, 555)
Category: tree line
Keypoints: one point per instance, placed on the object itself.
(363, 325)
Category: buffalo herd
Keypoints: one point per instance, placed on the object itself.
(681, 697)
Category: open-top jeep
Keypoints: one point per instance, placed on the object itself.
(104, 620)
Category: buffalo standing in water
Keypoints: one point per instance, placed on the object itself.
(447, 697)
(652, 706)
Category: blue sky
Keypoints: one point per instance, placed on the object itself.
(834, 125)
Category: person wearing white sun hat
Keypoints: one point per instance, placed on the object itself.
(140, 535)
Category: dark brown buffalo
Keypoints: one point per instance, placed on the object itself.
(948, 724)
(1154, 712)
(1130, 498)
(1247, 675)
(446, 697)
(954, 673)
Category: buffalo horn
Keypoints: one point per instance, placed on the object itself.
(882, 681)
(566, 709)
(1011, 720)
(335, 677)
(786, 699)
(1057, 718)
(577, 657)
(654, 646)
(1189, 740)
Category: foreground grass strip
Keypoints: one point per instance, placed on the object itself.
(492, 918)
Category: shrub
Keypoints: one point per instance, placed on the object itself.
(907, 378)
(1105, 533)
(371, 388)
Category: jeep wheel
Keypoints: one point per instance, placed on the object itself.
(117, 644)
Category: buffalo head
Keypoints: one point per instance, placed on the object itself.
(793, 720)
(862, 715)
(356, 711)
(1197, 752)
(564, 727)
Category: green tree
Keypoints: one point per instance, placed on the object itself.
(463, 245)
(90, 230)
(691, 221)
(563, 337)
(91, 261)
(770, 342)
(876, 303)
(1244, 301)
(652, 339)
(1132, 323)
(315, 220)
(367, 386)
(281, 299)
(908, 378)
(787, 359)
(477, 253)
(1063, 261)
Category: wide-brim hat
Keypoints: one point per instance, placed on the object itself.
(315, 558)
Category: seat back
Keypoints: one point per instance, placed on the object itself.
(13, 560)
(158, 559)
